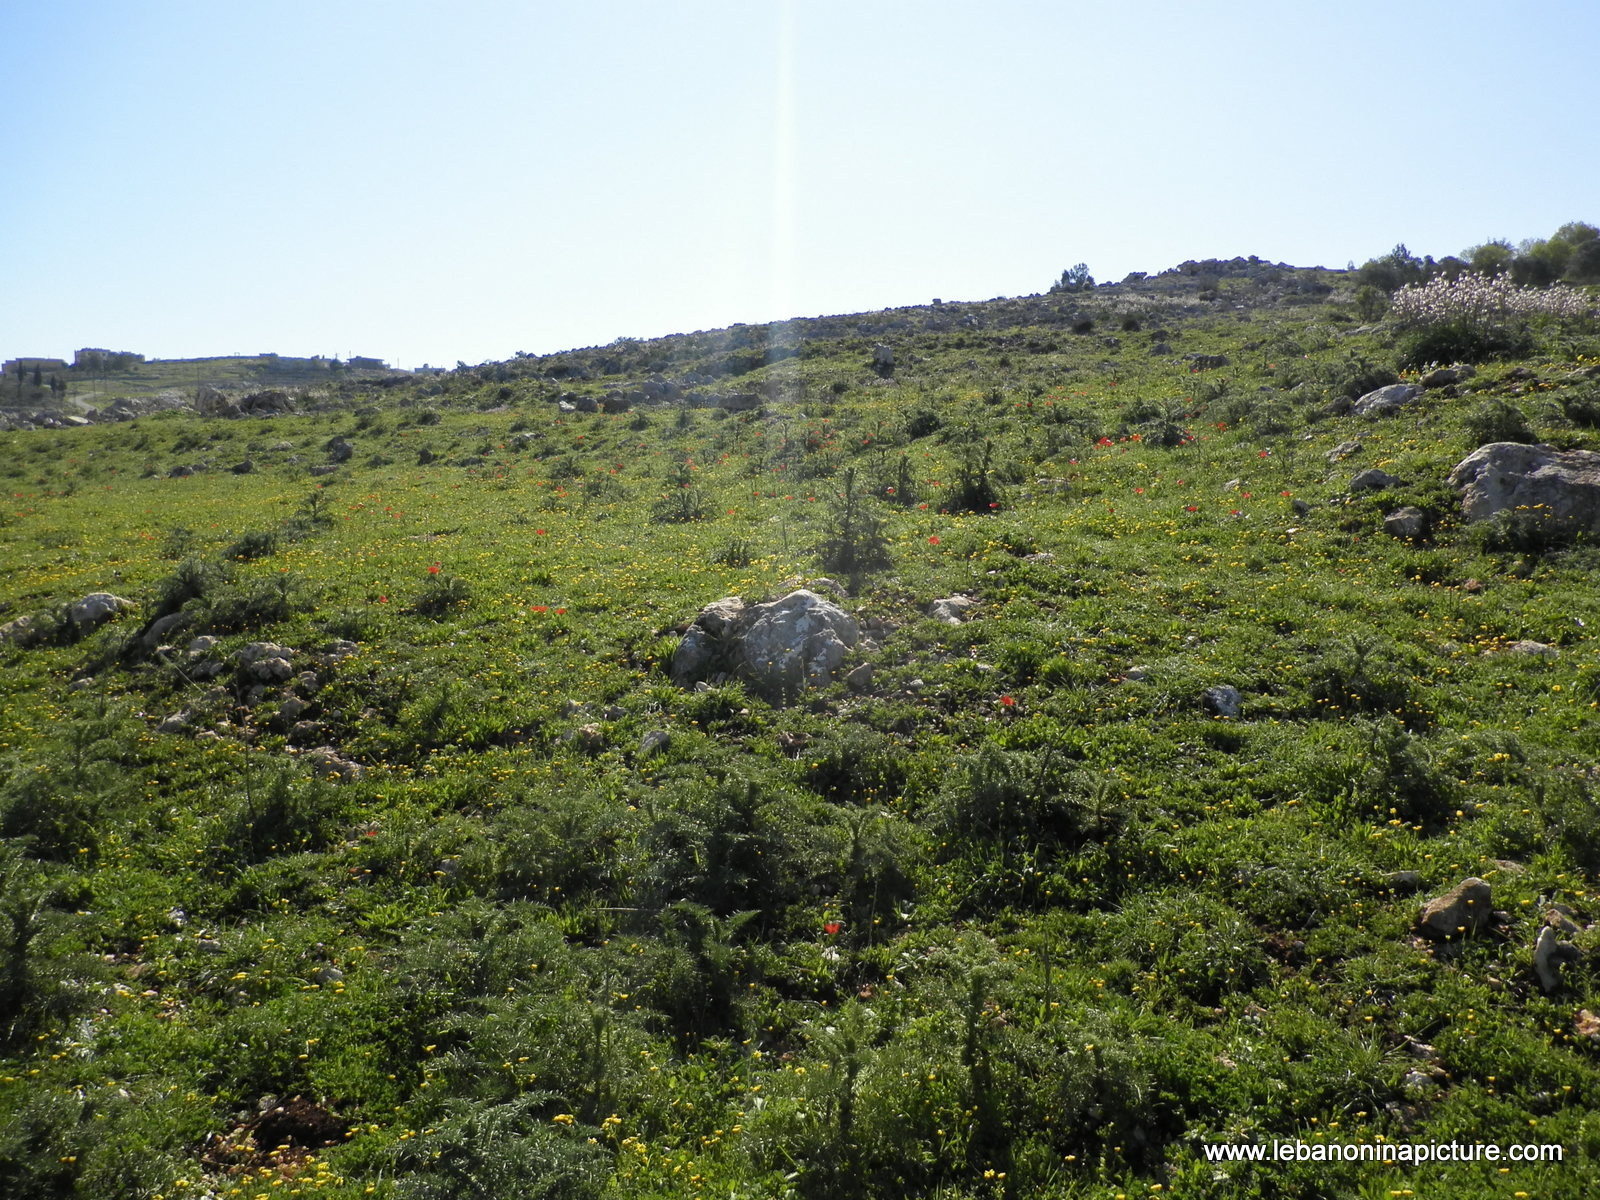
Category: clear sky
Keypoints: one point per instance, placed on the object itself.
(441, 182)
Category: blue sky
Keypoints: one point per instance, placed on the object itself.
(431, 182)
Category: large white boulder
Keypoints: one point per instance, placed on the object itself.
(1560, 486)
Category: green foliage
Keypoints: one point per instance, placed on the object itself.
(1498, 420)
(1074, 279)
(33, 986)
(1017, 916)
(853, 541)
(1464, 340)
(507, 1150)
(683, 500)
(443, 595)
(258, 543)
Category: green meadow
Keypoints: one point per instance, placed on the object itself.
(473, 900)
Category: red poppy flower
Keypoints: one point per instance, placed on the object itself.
(433, 570)
(1191, 508)
(934, 540)
(832, 927)
(1007, 701)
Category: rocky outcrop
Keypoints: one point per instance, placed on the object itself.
(1562, 487)
(1463, 910)
(1386, 401)
(952, 610)
(1409, 523)
(96, 609)
(1373, 479)
(800, 639)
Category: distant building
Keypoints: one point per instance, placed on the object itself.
(32, 364)
(93, 358)
(366, 364)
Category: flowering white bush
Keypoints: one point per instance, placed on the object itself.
(1482, 299)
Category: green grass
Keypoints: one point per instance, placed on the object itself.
(1079, 925)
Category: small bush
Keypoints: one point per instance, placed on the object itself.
(683, 501)
(854, 541)
(1498, 421)
(442, 596)
(258, 543)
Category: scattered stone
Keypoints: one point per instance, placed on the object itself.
(1549, 956)
(1160, 350)
(883, 359)
(1386, 401)
(1561, 486)
(96, 609)
(1043, 557)
(324, 469)
(1343, 451)
(1448, 376)
(1409, 522)
(178, 722)
(161, 627)
(1222, 700)
(337, 651)
(1136, 674)
(655, 740)
(305, 731)
(1559, 918)
(1207, 362)
(180, 472)
(327, 763)
(1586, 1024)
(832, 586)
(292, 709)
(243, 468)
(1464, 909)
(1233, 485)
(860, 678)
(1527, 649)
(326, 975)
(1300, 508)
(571, 708)
(266, 403)
(1403, 881)
(209, 402)
(265, 662)
(339, 450)
(952, 610)
(613, 712)
(1373, 479)
(16, 631)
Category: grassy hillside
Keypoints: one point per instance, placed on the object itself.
(436, 910)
